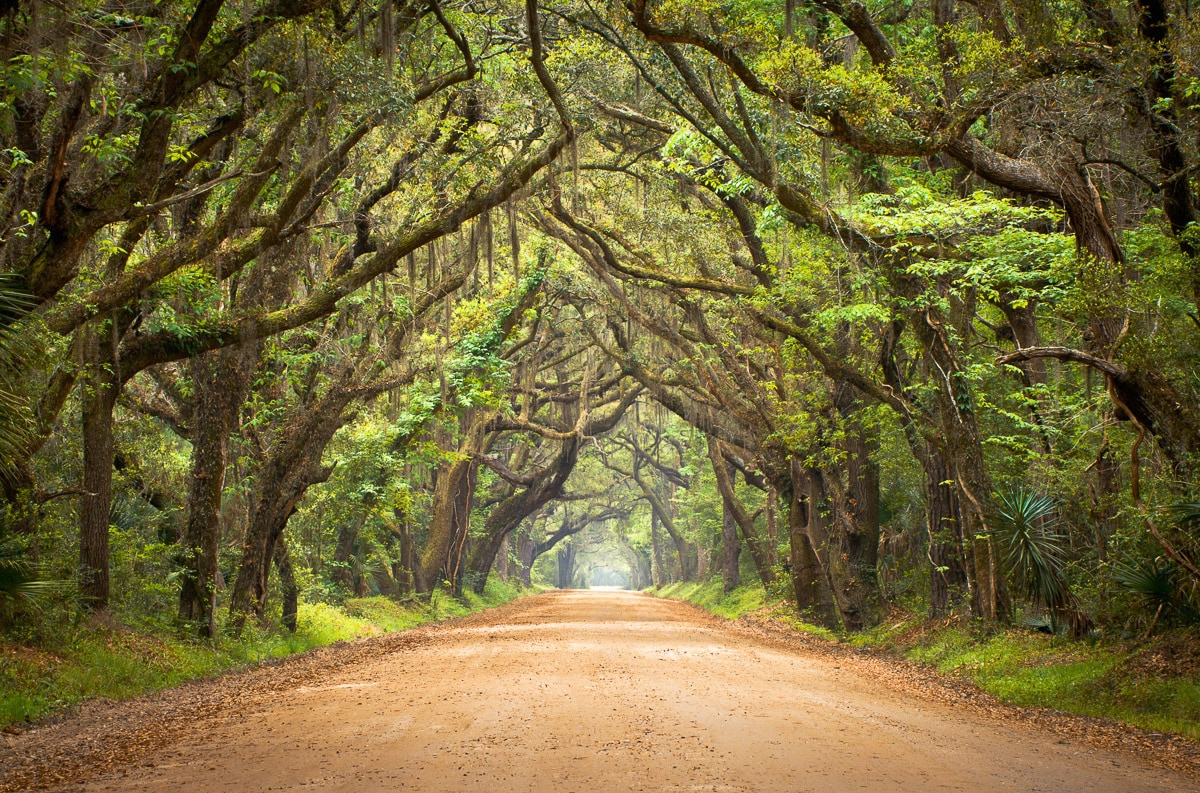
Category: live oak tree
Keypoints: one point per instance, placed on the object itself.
(868, 305)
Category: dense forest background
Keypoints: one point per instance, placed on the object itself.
(887, 305)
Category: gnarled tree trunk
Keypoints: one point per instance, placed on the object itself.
(809, 583)
(220, 381)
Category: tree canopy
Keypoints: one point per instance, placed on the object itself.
(306, 299)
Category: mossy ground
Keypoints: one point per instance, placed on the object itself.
(79, 663)
(1152, 684)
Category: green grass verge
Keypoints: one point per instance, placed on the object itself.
(711, 596)
(86, 663)
(1154, 685)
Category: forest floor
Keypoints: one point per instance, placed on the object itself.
(589, 691)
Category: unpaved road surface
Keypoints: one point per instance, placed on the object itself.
(587, 692)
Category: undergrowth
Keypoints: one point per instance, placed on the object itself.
(711, 596)
(1152, 684)
(79, 663)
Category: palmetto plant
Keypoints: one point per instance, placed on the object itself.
(1187, 516)
(20, 583)
(1153, 580)
(16, 420)
(1027, 529)
(1162, 585)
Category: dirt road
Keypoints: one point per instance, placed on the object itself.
(595, 692)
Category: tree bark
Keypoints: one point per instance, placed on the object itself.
(101, 387)
(502, 558)
(686, 550)
(287, 583)
(292, 465)
(811, 588)
(565, 568)
(947, 576)
(658, 571)
(448, 518)
(963, 451)
(858, 508)
(731, 549)
(525, 558)
(220, 381)
(737, 513)
(99, 397)
(343, 556)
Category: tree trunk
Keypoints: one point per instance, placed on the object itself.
(963, 451)
(502, 558)
(287, 583)
(450, 514)
(99, 397)
(403, 570)
(947, 576)
(509, 513)
(565, 569)
(944, 522)
(659, 572)
(220, 381)
(813, 599)
(772, 526)
(688, 557)
(859, 539)
(525, 557)
(823, 516)
(736, 512)
(731, 549)
(291, 467)
(1105, 495)
(455, 567)
(343, 556)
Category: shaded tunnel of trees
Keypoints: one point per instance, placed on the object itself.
(877, 304)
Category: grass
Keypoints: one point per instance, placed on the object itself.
(91, 663)
(1126, 681)
(1154, 685)
(711, 596)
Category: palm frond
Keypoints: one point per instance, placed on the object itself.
(21, 582)
(16, 418)
(1157, 583)
(1034, 550)
(16, 302)
(1186, 515)
(1151, 579)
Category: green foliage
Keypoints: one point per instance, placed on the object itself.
(21, 583)
(1159, 586)
(711, 596)
(1027, 531)
(1029, 668)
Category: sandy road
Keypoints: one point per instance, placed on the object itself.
(594, 692)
